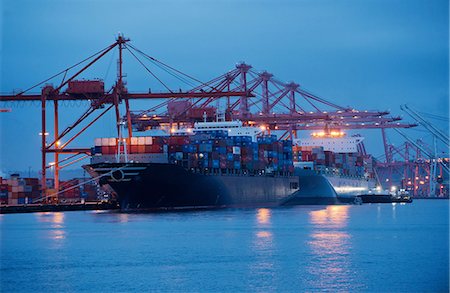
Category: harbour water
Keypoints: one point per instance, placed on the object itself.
(371, 248)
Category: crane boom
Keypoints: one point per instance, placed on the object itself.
(436, 132)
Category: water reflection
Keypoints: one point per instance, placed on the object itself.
(56, 229)
(263, 267)
(394, 212)
(330, 246)
(123, 218)
(332, 216)
(264, 234)
(263, 216)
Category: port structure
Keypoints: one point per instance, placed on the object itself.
(416, 164)
(250, 96)
(101, 102)
(270, 102)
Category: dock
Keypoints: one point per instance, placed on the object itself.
(33, 208)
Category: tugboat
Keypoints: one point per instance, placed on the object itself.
(379, 196)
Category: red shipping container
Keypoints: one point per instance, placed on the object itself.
(133, 149)
(86, 86)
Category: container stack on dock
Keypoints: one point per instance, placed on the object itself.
(21, 191)
(347, 164)
(78, 189)
(16, 190)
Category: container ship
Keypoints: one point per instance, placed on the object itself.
(212, 165)
(340, 159)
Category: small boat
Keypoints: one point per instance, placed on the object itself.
(387, 197)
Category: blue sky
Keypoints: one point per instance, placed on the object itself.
(365, 54)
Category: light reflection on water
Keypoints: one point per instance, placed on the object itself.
(330, 245)
(394, 213)
(263, 268)
(263, 216)
(57, 230)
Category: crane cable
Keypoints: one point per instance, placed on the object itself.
(149, 71)
(170, 67)
(63, 71)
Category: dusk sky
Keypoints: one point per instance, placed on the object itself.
(370, 55)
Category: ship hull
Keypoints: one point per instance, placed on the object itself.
(314, 190)
(350, 186)
(151, 186)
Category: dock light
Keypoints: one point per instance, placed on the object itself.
(393, 188)
(426, 177)
(58, 143)
(422, 182)
(378, 188)
(51, 164)
(172, 130)
(409, 182)
(189, 130)
(262, 127)
(46, 133)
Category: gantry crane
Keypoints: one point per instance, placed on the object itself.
(251, 96)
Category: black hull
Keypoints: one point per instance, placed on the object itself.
(384, 198)
(152, 186)
(141, 186)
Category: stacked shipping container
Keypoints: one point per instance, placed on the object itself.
(217, 150)
(136, 145)
(16, 190)
(77, 189)
(348, 164)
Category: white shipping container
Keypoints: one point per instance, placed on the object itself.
(141, 140)
(148, 140)
(134, 140)
(105, 141)
(98, 142)
(112, 141)
(236, 150)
